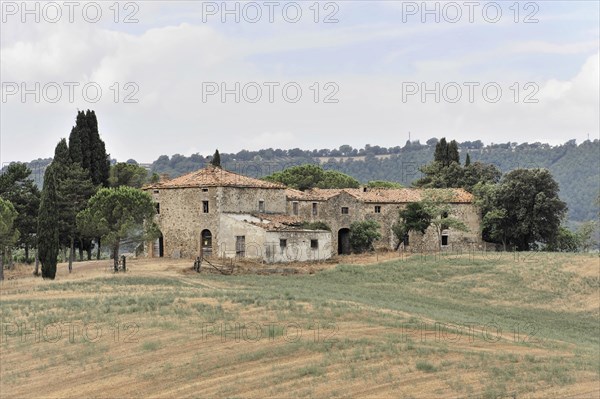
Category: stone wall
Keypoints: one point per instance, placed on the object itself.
(298, 246)
(181, 219)
(245, 200)
(330, 213)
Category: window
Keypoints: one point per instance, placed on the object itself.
(157, 205)
(344, 210)
(377, 209)
(155, 191)
(283, 243)
(314, 209)
(204, 189)
(204, 206)
(444, 239)
(295, 208)
(261, 206)
(314, 244)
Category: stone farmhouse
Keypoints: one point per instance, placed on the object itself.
(214, 212)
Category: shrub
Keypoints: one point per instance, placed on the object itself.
(363, 234)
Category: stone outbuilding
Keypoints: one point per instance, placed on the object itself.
(214, 212)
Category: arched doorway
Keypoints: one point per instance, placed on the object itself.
(206, 243)
(344, 241)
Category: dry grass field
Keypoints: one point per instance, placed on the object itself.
(463, 326)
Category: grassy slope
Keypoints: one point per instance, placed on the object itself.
(364, 331)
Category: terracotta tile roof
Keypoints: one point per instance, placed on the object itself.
(211, 176)
(316, 194)
(374, 195)
(277, 222)
(279, 218)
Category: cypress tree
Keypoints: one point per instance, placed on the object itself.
(216, 160)
(48, 243)
(87, 149)
(83, 132)
(441, 151)
(75, 151)
(446, 153)
(453, 155)
(468, 160)
(99, 163)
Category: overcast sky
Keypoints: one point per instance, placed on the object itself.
(361, 69)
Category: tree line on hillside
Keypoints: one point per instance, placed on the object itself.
(575, 167)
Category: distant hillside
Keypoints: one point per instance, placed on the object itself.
(575, 167)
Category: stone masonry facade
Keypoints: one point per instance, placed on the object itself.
(213, 212)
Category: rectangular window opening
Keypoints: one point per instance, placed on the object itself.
(295, 208)
(314, 244)
(444, 239)
(377, 209)
(314, 209)
(204, 206)
(261, 206)
(157, 205)
(345, 210)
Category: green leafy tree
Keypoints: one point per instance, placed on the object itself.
(119, 213)
(74, 189)
(305, 177)
(531, 208)
(439, 175)
(335, 179)
(477, 172)
(17, 187)
(302, 177)
(216, 159)
(127, 174)
(155, 178)
(363, 234)
(437, 204)
(8, 233)
(87, 149)
(585, 235)
(494, 227)
(48, 229)
(412, 218)
(564, 241)
(436, 175)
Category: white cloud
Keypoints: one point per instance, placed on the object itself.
(169, 64)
